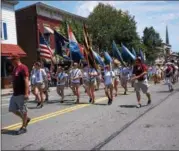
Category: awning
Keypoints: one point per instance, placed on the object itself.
(48, 30)
(11, 49)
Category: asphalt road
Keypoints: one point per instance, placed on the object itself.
(97, 127)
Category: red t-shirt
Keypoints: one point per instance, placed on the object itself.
(139, 69)
(19, 74)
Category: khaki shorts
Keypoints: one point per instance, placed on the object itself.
(109, 86)
(60, 87)
(75, 84)
(40, 86)
(143, 85)
(17, 103)
(124, 80)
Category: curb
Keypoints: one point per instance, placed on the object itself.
(6, 94)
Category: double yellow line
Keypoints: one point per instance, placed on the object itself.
(50, 115)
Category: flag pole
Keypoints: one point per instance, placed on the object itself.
(69, 43)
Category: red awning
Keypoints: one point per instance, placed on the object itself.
(11, 49)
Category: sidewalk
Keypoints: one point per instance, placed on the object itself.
(6, 92)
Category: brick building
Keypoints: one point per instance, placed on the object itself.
(39, 16)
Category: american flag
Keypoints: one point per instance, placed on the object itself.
(45, 50)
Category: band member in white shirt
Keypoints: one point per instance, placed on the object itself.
(125, 72)
(117, 74)
(76, 77)
(39, 83)
(61, 81)
(89, 77)
(108, 82)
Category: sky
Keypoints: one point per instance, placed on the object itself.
(147, 13)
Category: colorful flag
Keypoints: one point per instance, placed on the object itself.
(98, 58)
(88, 49)
(107, 58)
(45, 50)
(74, 46)
(117, 53)
(61, 43)
(134, 52)
(127, 53)
(141, 54)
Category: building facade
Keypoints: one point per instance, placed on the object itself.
(39, 17)
(8, 41)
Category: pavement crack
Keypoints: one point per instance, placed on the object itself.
(115, 134)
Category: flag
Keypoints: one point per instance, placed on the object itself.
(127, 53)
(61, 43)
(134, 52)
(45, 50)
(88, 49)
(107, 58)
(117, 53)
(141, 54)
(98, 58)
(74, 46)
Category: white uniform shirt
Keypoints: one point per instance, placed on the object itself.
(61, 76)
(74, 73)
(108, 77)
(39, 76)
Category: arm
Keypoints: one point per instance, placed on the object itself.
(26, 80)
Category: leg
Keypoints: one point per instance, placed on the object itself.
(92, 93)
(77, 93)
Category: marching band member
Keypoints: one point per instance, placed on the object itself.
(61, 81)
(75, 76)
(108, 82)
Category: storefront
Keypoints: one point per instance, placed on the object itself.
(8, 50)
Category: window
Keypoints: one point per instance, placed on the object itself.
(4, 31)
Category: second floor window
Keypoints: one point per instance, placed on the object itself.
(4, 31)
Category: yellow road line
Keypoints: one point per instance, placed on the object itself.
(47, 116)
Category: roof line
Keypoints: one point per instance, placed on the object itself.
(53, 8)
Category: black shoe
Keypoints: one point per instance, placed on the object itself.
(110, 102)
(139, 106)
(171, 90)
(149, 102)
(38, 104)
(90, 100)
(21, 131)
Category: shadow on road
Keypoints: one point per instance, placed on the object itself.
(103, 104)
(166, 91)
(130, 106)
(8, 132)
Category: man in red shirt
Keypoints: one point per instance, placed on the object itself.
(140, 72)
(20, 92)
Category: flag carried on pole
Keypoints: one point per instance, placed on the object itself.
(45, 50)
(134, 52)
(75, 53)
(141, 54)
(88, 49)
(107, 58)
(117, 53)
(61, 43)
(98, 58)
(127, 53)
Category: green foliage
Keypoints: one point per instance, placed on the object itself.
(107, 24)
(151, 40)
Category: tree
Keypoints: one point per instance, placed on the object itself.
(107, 24)
(151, 39)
